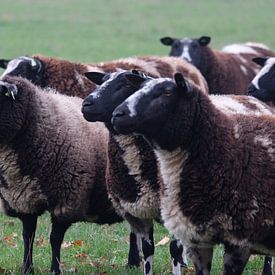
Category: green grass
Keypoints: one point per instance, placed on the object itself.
(91, 31)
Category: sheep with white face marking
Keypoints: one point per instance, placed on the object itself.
(133, 183)
(263, 84)
(228, 71)
(217, 160)
(44, 167)
(68, 78)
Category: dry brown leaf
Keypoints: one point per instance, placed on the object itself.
(95, 264)
(164, 241)
(41, 241)
(81, 256)
(78, 243)
(10, 239)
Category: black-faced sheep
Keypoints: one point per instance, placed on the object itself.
(228, 71)
(43, 164)
(263, 84)
(217, 160)
(135, 196)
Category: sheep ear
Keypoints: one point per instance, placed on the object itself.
(204, 40)
(259, 60)
(167, 41)
(181, 83)
(9, 90)
(4, 63)
(95, 77)
(135, 79)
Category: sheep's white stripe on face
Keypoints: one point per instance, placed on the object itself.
(14, 63)
(239, 48)
(268, 64)
(132, 100)
(185, 49)
(100, 89)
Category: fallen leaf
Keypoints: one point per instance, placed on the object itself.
(78, 243)
(81, 256)
(41, 242)
(164, 241)
(66, 244)
(95, 264)
(9, 239)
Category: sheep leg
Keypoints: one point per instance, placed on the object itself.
(178, 256)
(235, 259)
(268, 266)
(201, 258)
(133, 255)
(148, 249)
(56, 239)
(29, 226)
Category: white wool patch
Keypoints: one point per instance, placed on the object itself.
(230, 105)
(185, 53)
(244, 70)
(266, 142)
(258, 45)
(239, 48)
(171, 165)
(132, 100)
(147, 205)
(266, 68)
(236, 131)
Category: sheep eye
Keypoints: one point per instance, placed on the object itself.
(167, 92)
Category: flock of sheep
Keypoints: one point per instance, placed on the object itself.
(172, 138)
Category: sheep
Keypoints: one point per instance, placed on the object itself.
(136, 197)
(228, 71)
(68, 78)
(44, 167)
(217, 160)
(263, 84)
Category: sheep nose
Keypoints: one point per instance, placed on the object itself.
(88, 102)
(119, 113)
(251, 88)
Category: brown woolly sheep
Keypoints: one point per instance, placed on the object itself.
(217, 160)
(44, 167)
(228, 71)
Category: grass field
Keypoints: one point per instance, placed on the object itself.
(90, 31)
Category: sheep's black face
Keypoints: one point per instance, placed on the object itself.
(11, 112)
(149, 109)
(189, 49)
(263, 85)
(26, 67)
(114, 89)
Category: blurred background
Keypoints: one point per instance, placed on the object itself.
(100, 30)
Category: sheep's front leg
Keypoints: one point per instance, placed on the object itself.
(29, 226)
(268, 266)
(56, 239)
(201, 258)
(148, 249)
(235, 259)
(134, 248)
(178, 256)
